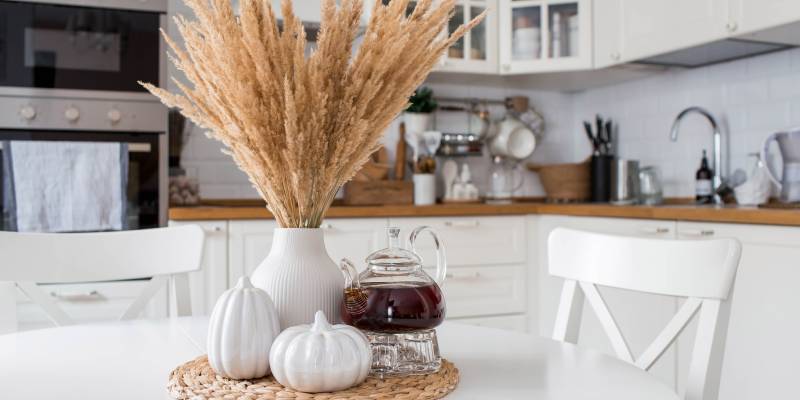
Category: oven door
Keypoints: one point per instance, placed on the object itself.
(70, 47)
(144, 204)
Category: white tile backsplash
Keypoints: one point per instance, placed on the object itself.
(750, 98)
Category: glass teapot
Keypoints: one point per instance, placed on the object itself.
(394, 294)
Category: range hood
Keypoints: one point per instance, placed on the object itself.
(309, 11)
(733, 48)
(713, 53)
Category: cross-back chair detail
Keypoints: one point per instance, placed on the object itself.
(165, 255)
(702, 271)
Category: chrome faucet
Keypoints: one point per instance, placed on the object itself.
(716, 152)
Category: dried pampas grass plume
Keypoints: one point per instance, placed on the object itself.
(300, 127)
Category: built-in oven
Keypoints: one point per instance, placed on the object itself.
(69, 72)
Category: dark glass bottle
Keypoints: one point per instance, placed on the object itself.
(704, 186)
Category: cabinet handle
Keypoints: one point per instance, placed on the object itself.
(462, 224)
(698, 232)
(616, 56)
(94, 295)
(326, 225)
(215, 229)
(451, 275)
(506, 67)
(732, 26)
(654, 230)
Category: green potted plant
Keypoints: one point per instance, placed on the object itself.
(418, 116)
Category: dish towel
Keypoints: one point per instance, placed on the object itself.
(52, 186)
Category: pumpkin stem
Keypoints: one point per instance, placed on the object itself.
(320, 322)
(244, 283)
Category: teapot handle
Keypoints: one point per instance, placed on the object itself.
(441, 258)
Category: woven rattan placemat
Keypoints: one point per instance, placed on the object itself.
(196, 380)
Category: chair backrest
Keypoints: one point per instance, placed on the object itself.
(703, 271)
(165, 255)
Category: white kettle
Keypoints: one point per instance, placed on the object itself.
(789, 145)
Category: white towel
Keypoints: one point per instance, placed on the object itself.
(68, 186)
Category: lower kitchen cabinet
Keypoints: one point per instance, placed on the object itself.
(516, 322)
(761, 352)
(249, 242)
(89, 302)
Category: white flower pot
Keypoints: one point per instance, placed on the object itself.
(300, 277)
(416, 123)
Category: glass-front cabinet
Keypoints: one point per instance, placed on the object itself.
(477, 50)
(545, 35)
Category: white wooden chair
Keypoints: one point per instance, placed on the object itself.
(165, 255)
(703, 271)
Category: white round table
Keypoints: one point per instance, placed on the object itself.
(132, 360)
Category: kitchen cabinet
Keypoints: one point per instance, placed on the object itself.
(211, 281)
(506, 322)
(89, 302)
(641, 317)
(630, 30)
(477, 51)
(354, 238)
(487, 262)
(545, 35)
(748, 16)
(761, 352)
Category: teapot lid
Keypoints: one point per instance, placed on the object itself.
(394, 255)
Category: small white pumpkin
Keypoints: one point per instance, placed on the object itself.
(243, 326)
(320, 357)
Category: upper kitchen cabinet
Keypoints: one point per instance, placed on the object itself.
(545, 35)
(761, 16)
(633, 30)
(476, 52)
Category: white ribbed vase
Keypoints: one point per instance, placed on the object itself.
(300, 277)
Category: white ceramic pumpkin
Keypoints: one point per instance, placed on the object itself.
(243, 326)
(320, 357)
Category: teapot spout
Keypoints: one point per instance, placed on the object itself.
(350, 274)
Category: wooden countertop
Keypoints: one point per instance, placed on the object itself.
(686, 212)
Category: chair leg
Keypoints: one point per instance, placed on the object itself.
(182, 299)
(8, 308)
(570, 310)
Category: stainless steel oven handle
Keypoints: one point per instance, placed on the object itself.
(132, 147)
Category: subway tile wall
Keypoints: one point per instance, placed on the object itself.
(751, 98)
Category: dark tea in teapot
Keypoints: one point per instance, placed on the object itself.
(394, 309)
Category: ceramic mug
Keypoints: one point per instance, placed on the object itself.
(424, 189)
(513, 140)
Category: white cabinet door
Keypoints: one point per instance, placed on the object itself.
(505, 322)
(89, 302)
(545, 35)
(477, 51)
(641, 317)
(470, 241)
(755, 15)
(250, 241)
(762, 350)
(630, 30)
(211, 281)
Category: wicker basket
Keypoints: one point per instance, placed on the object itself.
(565, 182)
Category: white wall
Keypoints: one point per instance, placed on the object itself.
(751, 98)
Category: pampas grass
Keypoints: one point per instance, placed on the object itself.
(300, 127)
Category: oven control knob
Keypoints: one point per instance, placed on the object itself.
(114, 115)
(72, 114)
(27, 112)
